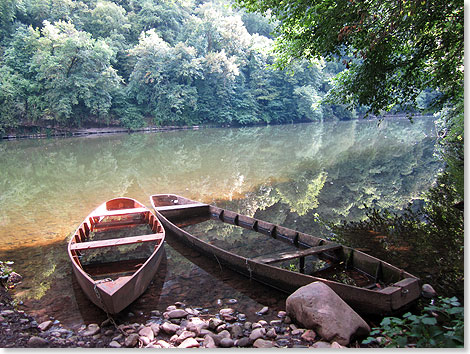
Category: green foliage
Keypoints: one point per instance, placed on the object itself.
(441, 325)
(5, 271)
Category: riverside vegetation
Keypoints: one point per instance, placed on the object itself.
(67, 64)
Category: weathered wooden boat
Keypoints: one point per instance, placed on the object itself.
(367, 284)
(115, 253)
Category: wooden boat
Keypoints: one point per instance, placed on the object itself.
(371, 286)
(115, 253)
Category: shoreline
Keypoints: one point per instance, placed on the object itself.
(179, 326)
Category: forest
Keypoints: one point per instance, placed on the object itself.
(84, 63)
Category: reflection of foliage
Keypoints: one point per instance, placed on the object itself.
(303, 198)
(435, 232)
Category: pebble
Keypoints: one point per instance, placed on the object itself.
(189, 343)
(282, 314)
(7, 312)
(336, 345)
(241, 317)
(263, 311)
(321, 345)
(261, 343)
(257, 333)
(236, 331)
(114, 344)
(243, 342)
(37, 342)
(147, 332)
(2, 318)
(208, 342)
(226, 343)
(169, 328)
(178, 313)
(91, 330)
(131, 340)
(232, 301)
(163, 344)
(271, 333)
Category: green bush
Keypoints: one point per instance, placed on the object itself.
(441, 325)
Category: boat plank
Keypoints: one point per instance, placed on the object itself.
(180, 206)
(115, 242)
(119, 212)
(283, 256)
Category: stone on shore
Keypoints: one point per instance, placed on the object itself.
(91, 330)
(261, 343)
(316, 306)
(257, 333)
(44, 326)
(147, 332)
(189, 343)
(208, 342)
(114, 344)
(131, 340)
(169, 328)
(177, 313)
(37, 342)
(428, 291)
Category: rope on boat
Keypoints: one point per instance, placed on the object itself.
(220, 265)
(110, 318)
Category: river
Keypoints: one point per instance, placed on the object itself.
(292, 175)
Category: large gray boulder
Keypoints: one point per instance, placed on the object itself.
(316, 306)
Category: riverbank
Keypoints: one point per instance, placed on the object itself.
(179, 326)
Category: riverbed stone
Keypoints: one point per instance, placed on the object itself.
(37, 342)
(309, 335)
(163, 344)
(91, 330)
(114, 344)
(169, 328)
(257, 333)
(226, 311)
(428, 291)
(316, 306)
(131, 340)
(196, 325)
(178, 313)
(226, 343)
(263, 311)
(262, 343)
(271, 333)
(189, 343)
(215, 322)
(236, 331)
(321, 345)
(243, 342)
(147, 332)
(208, 342)
(44, 326)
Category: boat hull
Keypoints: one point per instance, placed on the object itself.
(114, 296)
(404, 291)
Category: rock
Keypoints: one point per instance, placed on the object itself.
(171, 308)
(144, 340)
(241, 317)
(114, 344)
(91, 330)
(282, 314)
(226, 343)
(257, 333)
(196, 325)
(428, 291)
(247, 325)
(155, 313)
(256, 325)
(275, 323)
(222, 327)
(236, 331)
(185, 335)
(208, 342)
(225, 312)
(261, 343)
(189, 343)
(321, 345)
(178, 313)
(316, 306)
(309, 335)
(243, 342)
(271, 333)
(155, 328)
(263, 311)
(147, 332)
(191, 311)
(179, 304)
(214, 323)
(163, 344)
(232, 301)
(37, 342)
(44, 326)
(15, 278)
(287, 320)
(336, 345)
(297, 331)
(224, 334)
(169, 328)
(7, 312)
(131, 340)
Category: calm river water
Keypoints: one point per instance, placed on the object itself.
(291, 175)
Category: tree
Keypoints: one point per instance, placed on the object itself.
(75, 73)
(393, 50)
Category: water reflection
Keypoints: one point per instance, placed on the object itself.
(287, 175)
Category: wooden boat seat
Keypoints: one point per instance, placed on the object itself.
(180, 206)
(120, 212)
(283, 256)
(80, 246)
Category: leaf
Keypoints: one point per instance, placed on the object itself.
(429, 321)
